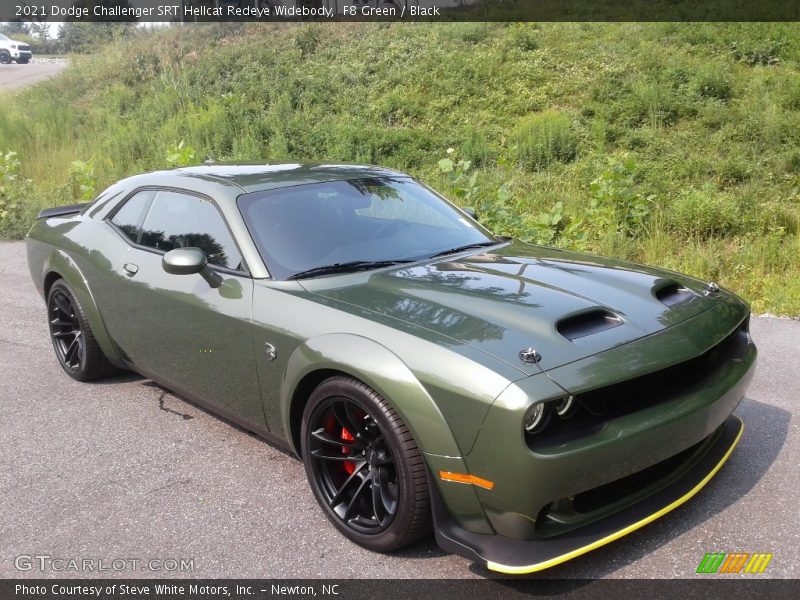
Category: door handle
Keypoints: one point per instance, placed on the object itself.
(130, 269)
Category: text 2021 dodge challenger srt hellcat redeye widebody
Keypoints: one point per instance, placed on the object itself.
(526, 403)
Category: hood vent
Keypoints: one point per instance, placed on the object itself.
(587, 323)
(673, 293)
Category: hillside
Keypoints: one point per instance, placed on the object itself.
(670, 144)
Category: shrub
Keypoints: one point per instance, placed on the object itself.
(545, 139)
(712, 81)
(82, 182)
(758, 52)
(790, 92)
(652, 103)
(14, 196)
(703, 213)
(180, 155)
(471, 33)
(617, 206)
(460, 175)
(477, 146)
(522, 36)
(734, 170)
(307, 40)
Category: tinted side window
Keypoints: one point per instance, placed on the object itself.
(129, 217)
(178, 220)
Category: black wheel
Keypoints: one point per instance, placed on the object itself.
(5, 57)
(364, 467)
(76, 348)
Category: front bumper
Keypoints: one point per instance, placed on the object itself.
(518, 556)
(572, 494)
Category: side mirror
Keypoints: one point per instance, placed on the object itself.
(188, 261)
(470, 211)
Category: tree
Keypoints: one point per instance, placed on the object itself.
(41, 30)
(86, 37)
(10, 28)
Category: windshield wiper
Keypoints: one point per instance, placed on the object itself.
(458, 249)
(347, 267)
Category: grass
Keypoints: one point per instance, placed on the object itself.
(705, 119)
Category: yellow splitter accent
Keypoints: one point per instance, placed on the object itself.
(622, 532)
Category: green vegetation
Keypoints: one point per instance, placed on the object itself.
(671, 144)
(72, 36)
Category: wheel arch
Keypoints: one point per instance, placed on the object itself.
(49, 279)
(59, 265)
(376, 366)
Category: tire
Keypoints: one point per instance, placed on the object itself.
(5, 57)
(380, 498)
(75, 346)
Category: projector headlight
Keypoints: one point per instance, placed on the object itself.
(536, 417)
(564, 406)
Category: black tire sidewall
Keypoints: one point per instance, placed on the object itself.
(95, 364)
(390, 538)
(5, 57)
(63, 287)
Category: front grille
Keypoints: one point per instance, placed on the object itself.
(654, 388)
(25, 47)
(597, 407)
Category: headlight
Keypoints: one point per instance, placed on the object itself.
(536, 417)
(564, 406)
(14, 46)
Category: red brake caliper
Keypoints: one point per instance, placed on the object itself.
(349, 466)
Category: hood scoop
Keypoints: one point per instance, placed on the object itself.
(587, 323)
(672, 294)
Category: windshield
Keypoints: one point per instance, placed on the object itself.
(305, 227)
(4, 38)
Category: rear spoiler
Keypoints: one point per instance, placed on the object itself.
(62, 211)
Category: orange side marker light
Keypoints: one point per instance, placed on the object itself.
(466, 478)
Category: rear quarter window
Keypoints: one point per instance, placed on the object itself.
(130, 215)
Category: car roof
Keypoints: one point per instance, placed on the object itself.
(264, 176)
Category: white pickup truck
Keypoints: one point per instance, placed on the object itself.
(11, 50)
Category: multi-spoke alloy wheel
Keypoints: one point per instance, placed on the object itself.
(353, 467)
(76, 348)
(363, 466)
(65, 329)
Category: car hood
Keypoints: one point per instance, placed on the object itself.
(565, 305)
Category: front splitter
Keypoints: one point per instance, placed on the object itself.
(507, 555)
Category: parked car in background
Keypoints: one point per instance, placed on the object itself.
(12, 50)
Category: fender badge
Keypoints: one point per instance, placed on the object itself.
(529, 355)
(270, 351)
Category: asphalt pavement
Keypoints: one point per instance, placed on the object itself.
(123, 469)
(14, 76)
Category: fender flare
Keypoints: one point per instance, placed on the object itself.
(382, 370)
(60, 263)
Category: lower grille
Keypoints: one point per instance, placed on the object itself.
(567, 514)
(608, 494)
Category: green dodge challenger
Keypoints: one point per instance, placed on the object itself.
(527, 404)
